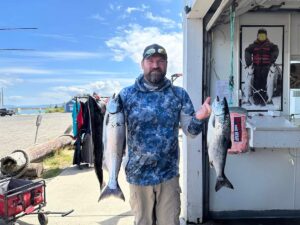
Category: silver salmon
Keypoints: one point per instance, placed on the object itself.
(218, 140)
(273, 76)
(114, 134)
(248, 85)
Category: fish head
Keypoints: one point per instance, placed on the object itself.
(114, 104)
(220, 106)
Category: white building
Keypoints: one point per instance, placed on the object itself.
(267, 179)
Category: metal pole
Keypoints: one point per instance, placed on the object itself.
(38, 123)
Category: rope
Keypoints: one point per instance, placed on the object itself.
(231, 78)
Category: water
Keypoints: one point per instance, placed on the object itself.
(24, 111)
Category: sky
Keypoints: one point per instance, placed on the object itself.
(82, 47)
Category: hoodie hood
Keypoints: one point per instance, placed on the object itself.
(140, 84)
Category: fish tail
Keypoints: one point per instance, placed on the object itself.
(107, 192)
(222, 181)
(102, 185)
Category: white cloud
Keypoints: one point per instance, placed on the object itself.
(68, 55)
(62, 55)
(103, 88)
(15, 98)
(94, 72)
(34, 71)
(167, 23)
(114, 7)
(23, 70)
(97, 17)
(5, 82)
(129, 10)
(136, 38)
(53, 80)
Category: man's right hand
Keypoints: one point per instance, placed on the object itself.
(204, 111)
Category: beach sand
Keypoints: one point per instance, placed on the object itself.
(18, 131)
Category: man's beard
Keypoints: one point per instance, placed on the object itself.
(155, 76)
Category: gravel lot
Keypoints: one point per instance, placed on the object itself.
(18, 131)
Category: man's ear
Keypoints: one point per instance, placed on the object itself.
(142, 64)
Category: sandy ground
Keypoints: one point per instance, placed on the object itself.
(18, 131)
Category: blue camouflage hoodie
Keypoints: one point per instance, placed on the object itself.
(152, 118)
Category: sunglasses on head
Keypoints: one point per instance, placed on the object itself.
(152, 51)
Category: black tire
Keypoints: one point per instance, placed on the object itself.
(43, 219)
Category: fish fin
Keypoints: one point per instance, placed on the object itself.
(107, 192)
(102, 186)
(222, 181)
(211, 164)
(226, 108)
(227, 142)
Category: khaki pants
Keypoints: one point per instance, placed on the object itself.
(156, 205)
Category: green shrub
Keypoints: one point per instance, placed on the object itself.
(54, 110)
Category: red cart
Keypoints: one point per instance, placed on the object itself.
(20, 197)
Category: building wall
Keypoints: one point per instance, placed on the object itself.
(264, 179)
(192, 208)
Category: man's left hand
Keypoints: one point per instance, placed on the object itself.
(204, 111)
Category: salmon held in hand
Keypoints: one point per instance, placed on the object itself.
(114, 145)
(218, 140)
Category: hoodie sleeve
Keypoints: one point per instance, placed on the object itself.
(190, 125)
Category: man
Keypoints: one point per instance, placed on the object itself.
(262, 54)
(153, 108)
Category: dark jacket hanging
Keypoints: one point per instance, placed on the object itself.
(96, 117)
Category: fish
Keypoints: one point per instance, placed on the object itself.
(219, 141)
(114, 140)
(248, 86)
(272, 82)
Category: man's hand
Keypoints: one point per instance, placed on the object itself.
(204, 111)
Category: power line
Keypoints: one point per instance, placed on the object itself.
(20, 28)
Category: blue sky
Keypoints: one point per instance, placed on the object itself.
(82, 46)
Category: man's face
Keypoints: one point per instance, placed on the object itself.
(261, 36)
(155, 68)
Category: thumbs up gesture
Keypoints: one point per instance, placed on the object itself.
(204, 111)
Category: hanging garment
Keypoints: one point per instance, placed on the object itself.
(75, 111)
(97, 111)
(77, 159)
(87, 141)
(80, 116)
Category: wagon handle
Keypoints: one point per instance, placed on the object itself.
(50, 212)
(67, 213)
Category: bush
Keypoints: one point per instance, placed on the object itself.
(55, 110)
